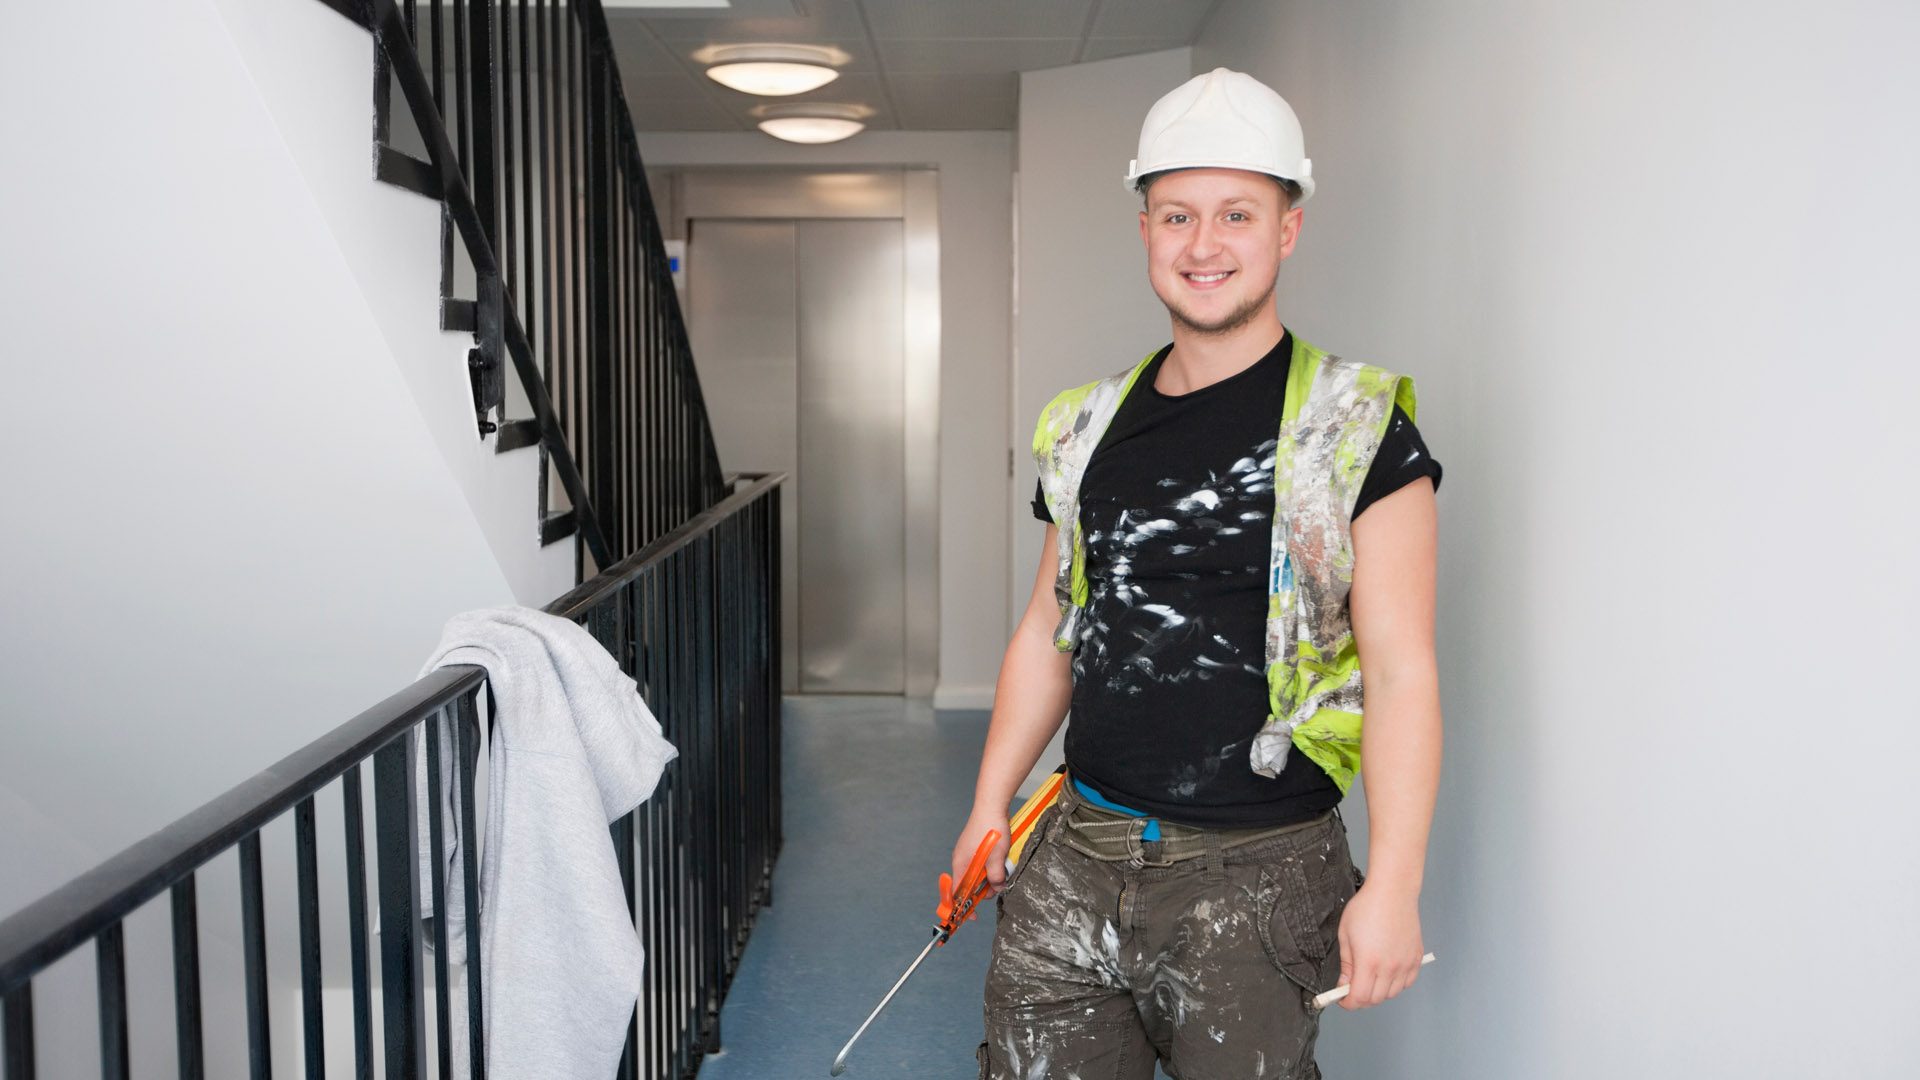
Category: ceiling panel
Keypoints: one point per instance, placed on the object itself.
(680, 114)
(975, 56)
(669, 87)
(1108, 48)
(638, 51)
(957, 102)
(825, 25)
(1151, 18)
(977, 18)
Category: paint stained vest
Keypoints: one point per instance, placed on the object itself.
(1335, 414)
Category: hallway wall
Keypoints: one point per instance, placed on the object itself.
(1085, 308)
(1654, 268)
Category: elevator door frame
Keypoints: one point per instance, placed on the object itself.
(913, 197)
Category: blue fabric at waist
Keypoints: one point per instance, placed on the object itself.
(1153, 824)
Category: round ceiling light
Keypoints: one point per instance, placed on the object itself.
(772, 70)
(813, 122)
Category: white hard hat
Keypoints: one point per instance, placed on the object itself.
(1224, 120)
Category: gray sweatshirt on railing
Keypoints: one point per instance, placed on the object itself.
(573, 748)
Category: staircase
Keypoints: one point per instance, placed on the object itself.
(510, 117)
(268, 527)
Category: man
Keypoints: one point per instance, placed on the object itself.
(1236, 527)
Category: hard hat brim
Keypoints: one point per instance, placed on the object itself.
(1306, 183)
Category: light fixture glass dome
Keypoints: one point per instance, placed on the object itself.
(811, 129)
(771, 70)
(813, 122)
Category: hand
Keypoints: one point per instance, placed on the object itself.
(1380, 946)
(970, 837)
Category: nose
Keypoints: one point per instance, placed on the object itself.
(1206, 240)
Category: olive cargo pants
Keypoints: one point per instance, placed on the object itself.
(1202, 950)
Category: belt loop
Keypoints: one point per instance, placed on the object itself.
(1136, 847)
(1216, 859)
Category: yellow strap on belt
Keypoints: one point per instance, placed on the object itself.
(1022, 824)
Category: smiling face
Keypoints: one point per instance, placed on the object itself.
(1215, 239)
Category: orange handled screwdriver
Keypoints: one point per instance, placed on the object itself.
(961, 904)
(956, 907)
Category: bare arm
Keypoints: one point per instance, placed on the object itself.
(1030, 700)
(1395, 546)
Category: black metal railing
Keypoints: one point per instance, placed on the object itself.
(694, 618)
(520, 126)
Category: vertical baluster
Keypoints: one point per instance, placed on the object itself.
(649, 408)
(548, 179)
(437, 858)
(529, 283)
(17, 1005)
(467, 732)
(579, 437)
(680, 869)
(622, 833)
(253, 943)
(710, 721)
(776, 658)
(396, 851)
(438, 60)
(307, 860)
(462, 99)
(110, 961)
(633, 278)
(356, 837)
(506, 250)
(617, 331)
(186, 979)
(660, 966)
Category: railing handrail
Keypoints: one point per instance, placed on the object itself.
(48, 928)
(573, 604)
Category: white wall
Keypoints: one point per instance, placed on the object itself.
(228, 528)
(1085, 308)
(1653, 267)
(975, 309)
(314, 72)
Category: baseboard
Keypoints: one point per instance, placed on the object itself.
(963, 697)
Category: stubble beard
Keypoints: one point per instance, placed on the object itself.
(1233, 320)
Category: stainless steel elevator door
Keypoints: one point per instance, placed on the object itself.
(799, 334)
(853, 613)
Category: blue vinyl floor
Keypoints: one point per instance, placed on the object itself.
(876, 791)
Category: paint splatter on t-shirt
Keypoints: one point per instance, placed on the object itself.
(1169, 689)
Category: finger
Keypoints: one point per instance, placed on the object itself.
(1361, 996)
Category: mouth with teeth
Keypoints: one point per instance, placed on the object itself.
(1205, 279)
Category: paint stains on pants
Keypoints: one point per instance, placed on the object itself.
(1201, 952)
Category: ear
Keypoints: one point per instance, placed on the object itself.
(1143, 228)
(1289, 231)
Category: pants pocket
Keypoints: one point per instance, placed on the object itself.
(1301, 895)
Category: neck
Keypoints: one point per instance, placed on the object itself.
(1200, 359)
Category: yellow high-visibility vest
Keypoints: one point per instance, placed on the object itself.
(1335, 414)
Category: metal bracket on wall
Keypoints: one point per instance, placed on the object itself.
(483, 360)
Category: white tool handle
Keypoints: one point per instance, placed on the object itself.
(1323, 1000)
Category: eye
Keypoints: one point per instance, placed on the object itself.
(1176, 218)
(1238, 215)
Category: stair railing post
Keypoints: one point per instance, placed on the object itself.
(397, 854)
